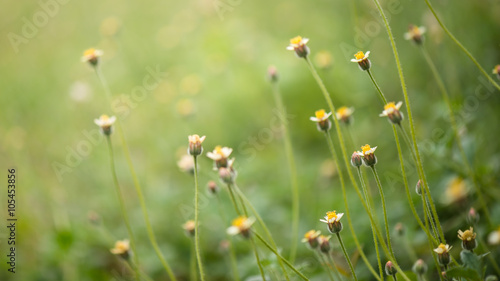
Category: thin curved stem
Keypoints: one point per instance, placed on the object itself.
(454, 126)
(233, 199)
(192, 264)
(384, 208)
(323, 262)
(261, 270)
(365, 191)
(346, 256)
(272, 249)
(462, 46)
(123, 209)
(380, 94)
(234, 264)
(197, 220)
(293, 173)
(348, 214)
(334, 268)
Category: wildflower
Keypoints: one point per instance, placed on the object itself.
(344, 114)
(106, 123)
(468, 238)
(311, 237)
(195, 147)
(122, 249)
(212, 187)
(443, 254)
(272, 73)
(356, 160)
(186, 164)
(494, 237)
(189, 227)
(332, 219)
(472, 216)
(391, 110)
(368, 154)
(298, 44)
(496, 70)
(92, 56)
(324, 243)
(323, 59)
(322, 120)
(456, 190)
(415, 34)
(241, 225)
(390, 269)
(362, 60)
(419, 267)
(220, 155)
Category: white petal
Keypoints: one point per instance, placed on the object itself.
(291, 48)
(399, 104)
(233, 230)
(367, 54)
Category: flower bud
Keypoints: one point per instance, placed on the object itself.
(399, 229)
(443, 252)
(189, 227)
(195, 147)
(324, 244)
(356, 160)
(496, 71)
(212, 187)
(311, 237)
(468, 238)
(418, 187)
(225, 175)
(272, 74)
(390, 269)
(472, 217)
(419, 267)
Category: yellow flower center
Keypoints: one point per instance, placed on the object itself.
(121, 246)
(310, 234)
(343, 111)
(443, 247)
(331, 215)
(365, 148)
(218, 150)
(359, 55)
(320, 114)
(89, 53)
(390, 105)
(468, 235)
(296, 40)
(104, 117)
(238, 222)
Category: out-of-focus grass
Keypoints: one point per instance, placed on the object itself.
(216, 86)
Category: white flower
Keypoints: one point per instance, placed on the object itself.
(332, 217)
(240, 225)
(390, 108)
(220, 153)
(360, 56)
(321, 115)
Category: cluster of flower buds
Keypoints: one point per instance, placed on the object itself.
(223, 164)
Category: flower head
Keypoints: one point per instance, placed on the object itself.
(362, 60)
(332, 219)
(324, 243)
(241, 225)
(496, 70)
(189, 227)
(298, 44)
(212, 187)
(468, 238)
(122, 249)
(195, 147)
(391, 110)
(105, 122)
(368, 154)
(311, 237)
(186, 164)
(92, 56)
(322, 120)
(415, 34)
(220, 155)
(356, 160)
(443, 252)
(344, 114)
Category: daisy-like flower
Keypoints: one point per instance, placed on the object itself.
(324, 243)
(92, 56)
(122, 249)
(468, 238)
(344, 114)
(220, 155)
(362, 60)
(189, 227)
(391, 110)
(496, 70)
(443, 252)
(195, 147)
(106, 123)
(241, 225)
(494, 237)
(311, 237)
(368, 154)
(298, 44)
(332, 219)
(415, 34)
(322, 120)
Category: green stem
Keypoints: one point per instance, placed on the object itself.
(454, 127)
(384, 208)
(293, 173)
(197, 220)
(334, 268)
(258, 259)
(192, 264)
(438, 266)
(137, 185)
(380, 94)
(346, 256)
(346, 163)
(234, 264)
(365, 191)
(462, 46)
(272, 249)
(233, 200)
(323, 262)
(123, 209)
(348, 214)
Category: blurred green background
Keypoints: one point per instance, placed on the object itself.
(215, 55)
